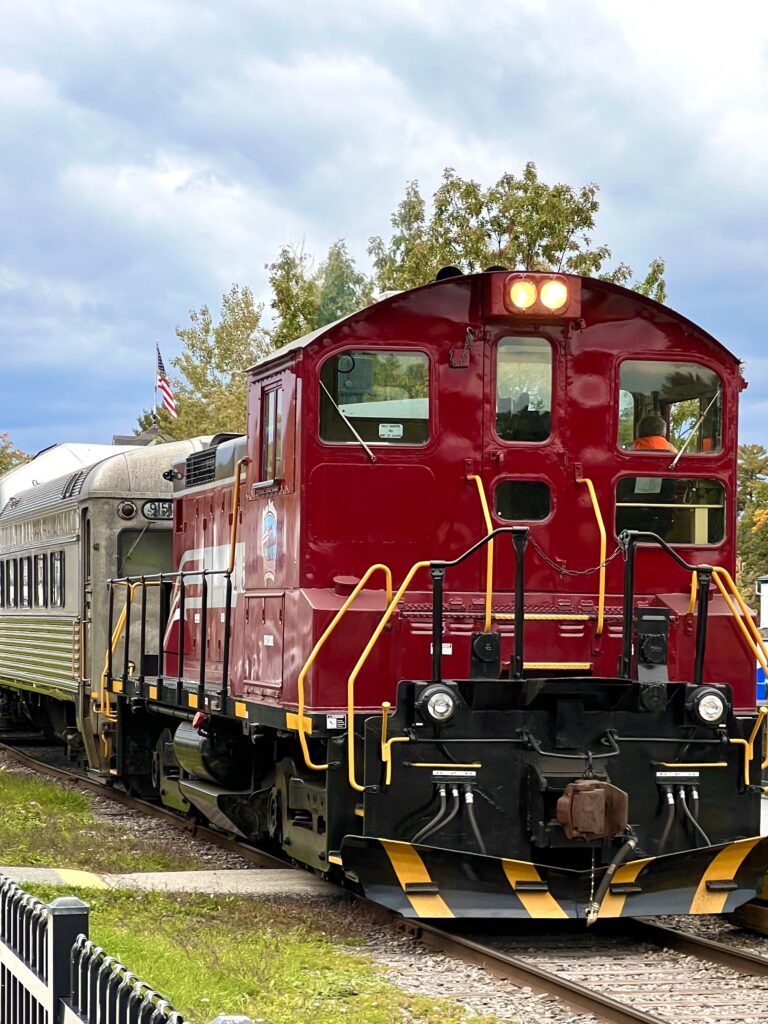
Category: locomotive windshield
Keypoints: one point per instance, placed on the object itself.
(523, 389)
(668, 406)
(383, 395)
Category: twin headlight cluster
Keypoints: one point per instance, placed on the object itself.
(437, 703)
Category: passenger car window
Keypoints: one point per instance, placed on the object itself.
(11, 591)
(668, 406)
(41, 581)
(523, 389)
(383, 395)
(680, 511)
(25, 582)
(56, 579)
(522, 500)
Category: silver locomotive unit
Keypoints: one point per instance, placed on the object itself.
(59, 542)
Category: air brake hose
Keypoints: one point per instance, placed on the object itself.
(695, 802)
(447, 819)
(435, 821)
(686, 811)
(670, 818)
(469, 801)
(593, 907)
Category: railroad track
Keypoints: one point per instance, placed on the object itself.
(634, 972)
(628, 972)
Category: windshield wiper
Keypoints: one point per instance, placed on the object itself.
(368, 451)
(694, 428)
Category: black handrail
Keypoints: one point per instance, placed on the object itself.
(165, 581)
(629, 539)
(143, 635)
(437, 569)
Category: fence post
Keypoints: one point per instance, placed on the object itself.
(68, 919)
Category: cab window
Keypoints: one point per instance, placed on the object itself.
(521, 500)
(680, 511)
(669, 407)
(523, 389)
(271, 433)
(382, 397)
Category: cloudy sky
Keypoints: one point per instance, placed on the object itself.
(152, 153)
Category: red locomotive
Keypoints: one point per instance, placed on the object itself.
(456, 617)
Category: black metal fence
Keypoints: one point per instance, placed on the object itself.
(51, 973)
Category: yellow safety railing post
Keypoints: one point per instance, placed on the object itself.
(489, 552)
(358, 667)
(694, 593)
(378, 567)
(603, 550)
(235, 514)
(750, 632)
(749, 745)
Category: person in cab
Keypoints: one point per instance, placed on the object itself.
(651, 435)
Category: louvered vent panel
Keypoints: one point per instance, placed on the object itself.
(201, 467)
(74, 485)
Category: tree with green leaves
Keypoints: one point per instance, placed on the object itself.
(304, 298)
(752, 529)
(520, 223)
(211, 391)
(10, 456)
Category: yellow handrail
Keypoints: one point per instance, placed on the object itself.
(750, 633)
(489, 552)
(104, 705)
(749, 745)
(694, 592)
(235, 514)
(356, 671)
(318, 647)
(603, 548)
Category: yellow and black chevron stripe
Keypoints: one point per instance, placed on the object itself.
(427, 882)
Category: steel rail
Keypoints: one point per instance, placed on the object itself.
(741, 960)
(520, 971)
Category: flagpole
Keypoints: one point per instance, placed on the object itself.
(154, 405)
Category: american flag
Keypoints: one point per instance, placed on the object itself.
(164, 387)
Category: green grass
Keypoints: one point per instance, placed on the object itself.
(278, 964)
(43, 824)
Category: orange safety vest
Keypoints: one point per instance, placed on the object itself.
(654, 443)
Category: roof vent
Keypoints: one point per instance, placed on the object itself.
(74, 485)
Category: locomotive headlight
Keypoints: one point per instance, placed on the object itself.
(553, 294)
(438, 704)
(708, 706)
(522, 294)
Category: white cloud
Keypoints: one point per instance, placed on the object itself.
(155, 152)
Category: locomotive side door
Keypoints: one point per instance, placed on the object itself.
(524, 464)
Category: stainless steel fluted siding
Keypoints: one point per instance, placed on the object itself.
(40, 652)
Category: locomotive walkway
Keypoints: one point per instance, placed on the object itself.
(259, 882)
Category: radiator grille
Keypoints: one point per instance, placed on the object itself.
(201, 467)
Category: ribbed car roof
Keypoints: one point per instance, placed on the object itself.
(131, 472)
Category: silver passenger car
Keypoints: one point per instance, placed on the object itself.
(60, 541)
